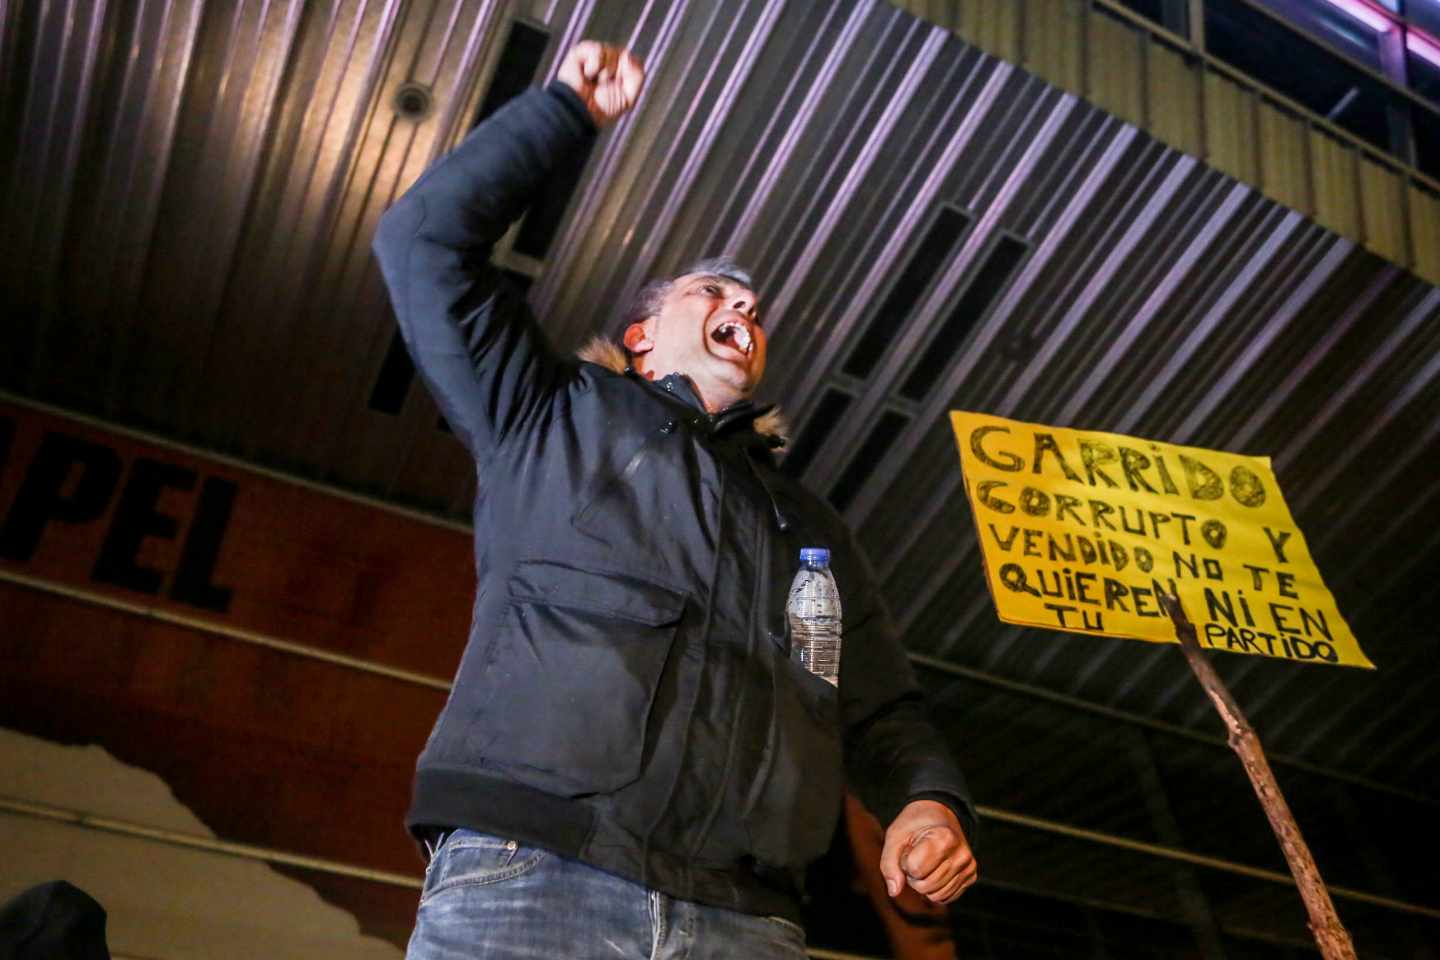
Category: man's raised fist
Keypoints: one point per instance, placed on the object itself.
(607, 78)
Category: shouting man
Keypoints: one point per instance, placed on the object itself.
(632, 764)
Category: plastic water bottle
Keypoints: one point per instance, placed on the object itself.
(813, 610)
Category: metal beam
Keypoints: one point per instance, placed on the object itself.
(41, 811)
(152, 612)
(1197, 859)
(1167, 827)
(247, 851)
(1160, 726)
(190, 841)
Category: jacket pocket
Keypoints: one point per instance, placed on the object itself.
(573, 674)
(794, 800)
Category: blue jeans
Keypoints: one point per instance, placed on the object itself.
(487, 898)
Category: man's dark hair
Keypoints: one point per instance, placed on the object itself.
(647, 300)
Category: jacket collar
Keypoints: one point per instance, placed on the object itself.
(766, 420)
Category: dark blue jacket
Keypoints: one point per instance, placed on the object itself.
(627, 696)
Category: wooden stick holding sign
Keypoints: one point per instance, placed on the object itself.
(1330, 934)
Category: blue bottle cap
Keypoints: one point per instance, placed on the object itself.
(820, 556)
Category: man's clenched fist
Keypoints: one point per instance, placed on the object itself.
(607, 78)
(926, 848)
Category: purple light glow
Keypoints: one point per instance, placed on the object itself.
(1422, 46)
(1365, 13)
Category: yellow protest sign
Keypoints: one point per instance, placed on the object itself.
(1079, 530)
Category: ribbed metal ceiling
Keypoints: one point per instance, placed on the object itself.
(189, 189)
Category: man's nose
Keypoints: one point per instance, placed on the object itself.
(745, 306)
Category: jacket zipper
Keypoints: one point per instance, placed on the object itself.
(782, 522)
(636, 461)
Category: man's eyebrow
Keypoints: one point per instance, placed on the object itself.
(720, 278)
(711, 277)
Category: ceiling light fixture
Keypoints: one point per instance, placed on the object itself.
(413, 101)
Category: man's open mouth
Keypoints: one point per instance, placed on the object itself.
(733, 335)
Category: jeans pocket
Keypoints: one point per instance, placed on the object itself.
(468, 858)
(789, 926)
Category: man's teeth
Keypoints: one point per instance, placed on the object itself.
(735, 332)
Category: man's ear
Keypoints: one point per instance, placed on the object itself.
(637, 339)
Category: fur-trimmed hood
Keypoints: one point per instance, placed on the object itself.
(604, 352)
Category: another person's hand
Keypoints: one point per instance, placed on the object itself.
(926, 847)
(607, 78)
